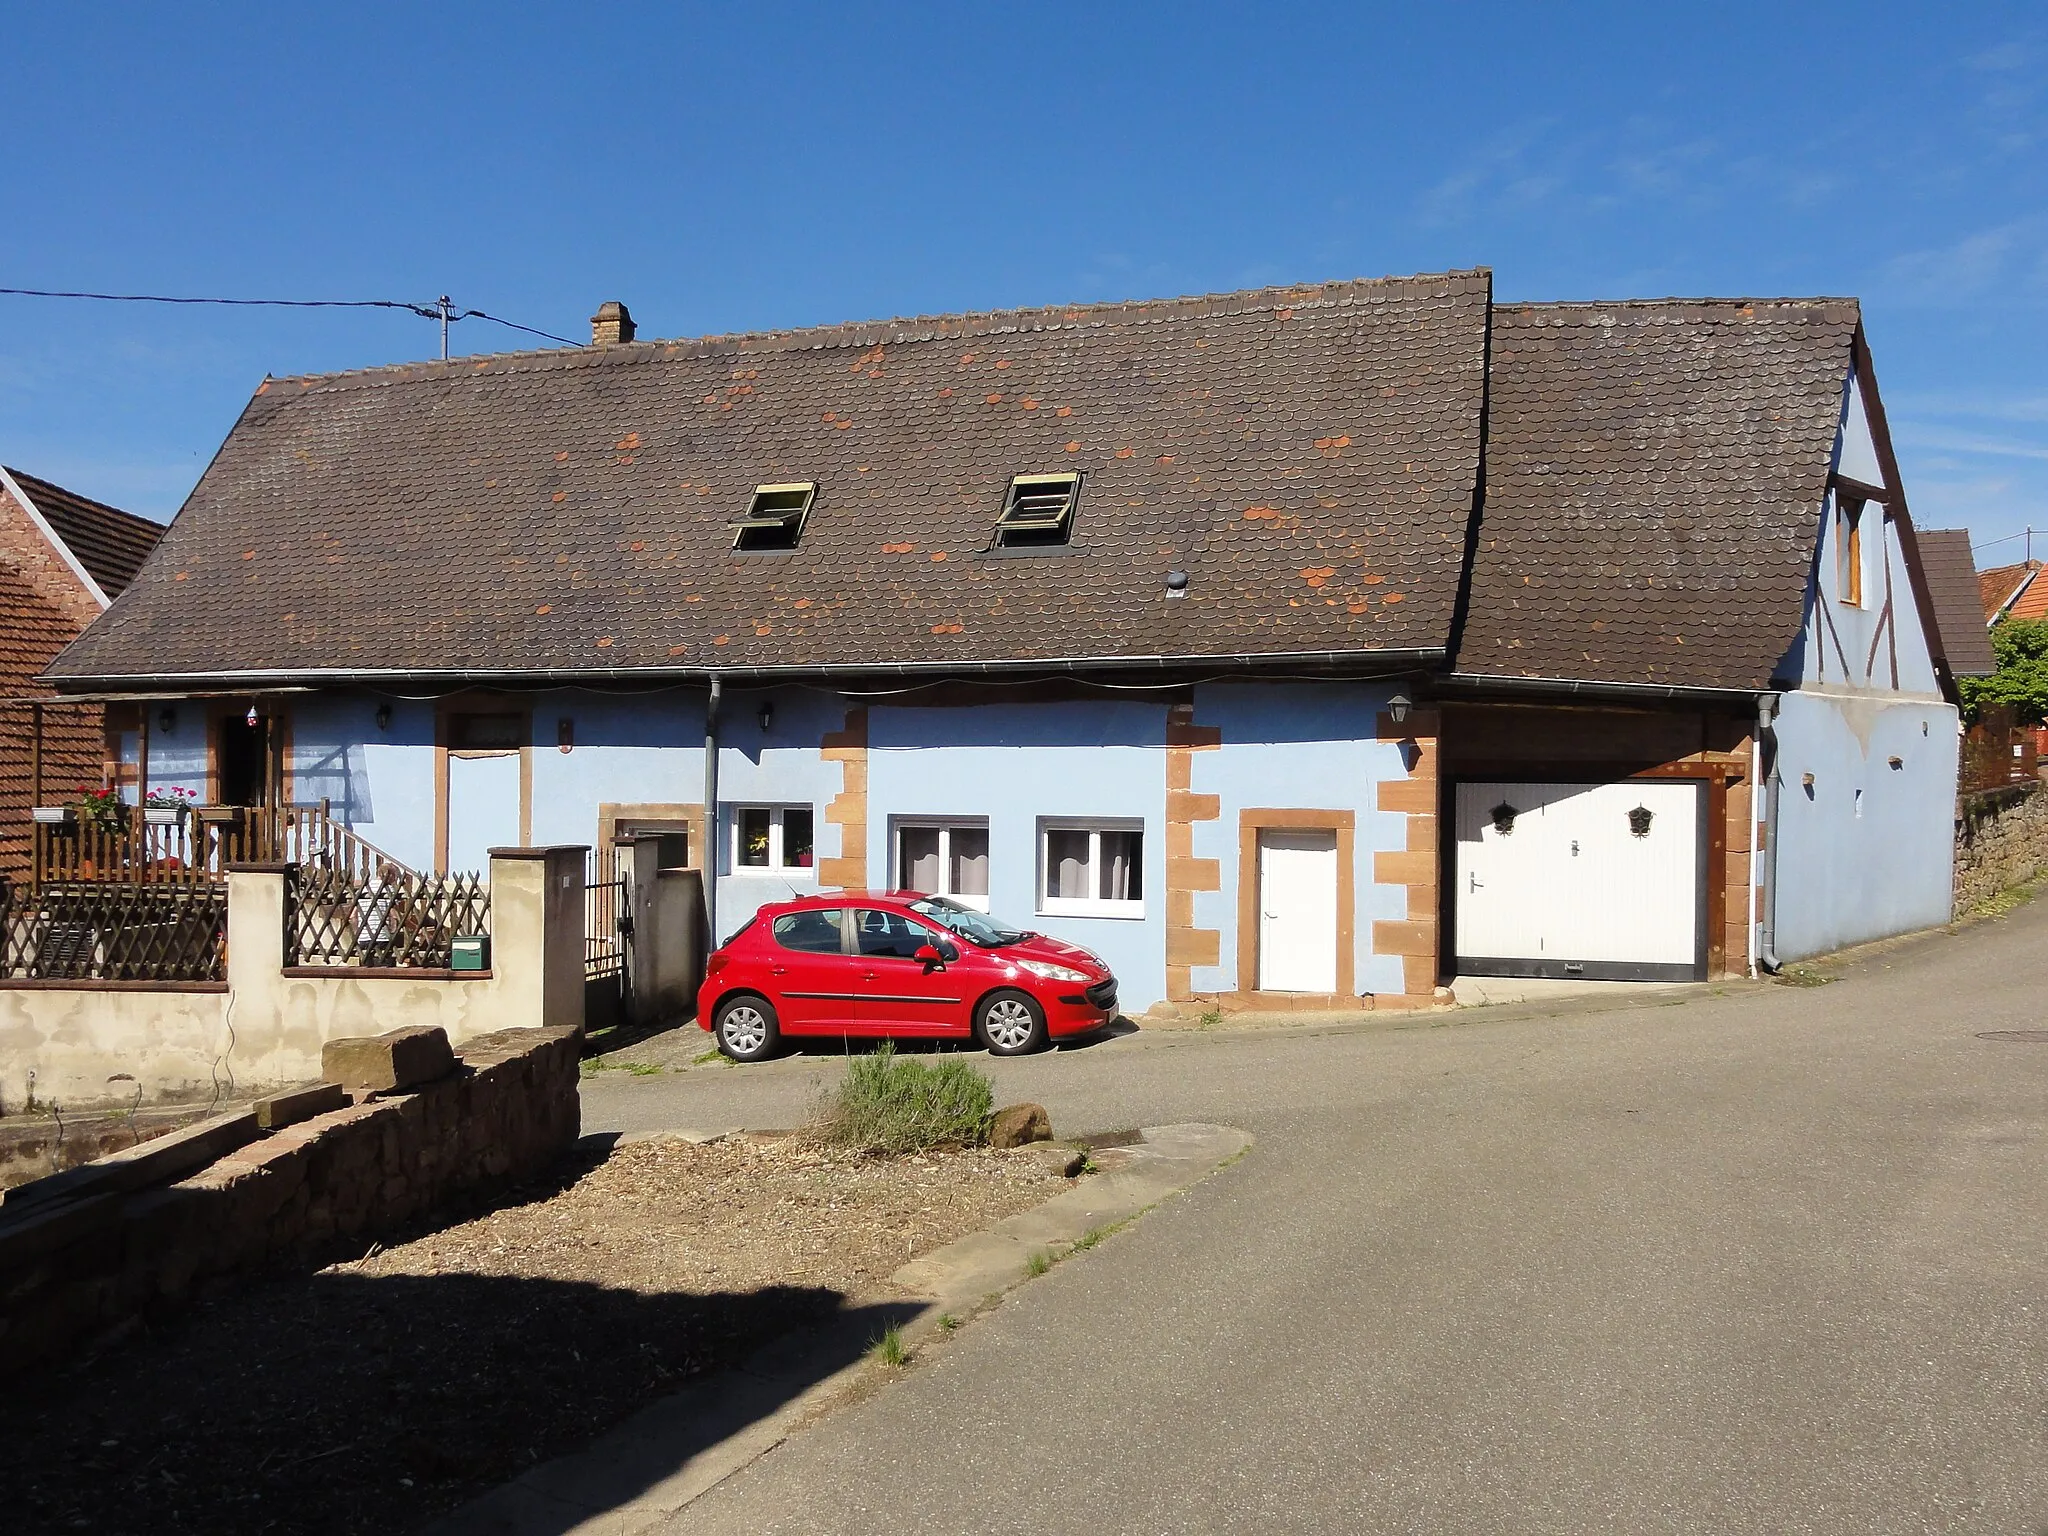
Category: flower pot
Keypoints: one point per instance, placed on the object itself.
(51, 815)
(163, 815)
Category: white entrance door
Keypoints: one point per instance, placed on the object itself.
(483, 808)
(1594, 880)
(1297, 911)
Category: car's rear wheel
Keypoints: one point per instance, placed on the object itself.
(1011, 1024)
(746, 1027)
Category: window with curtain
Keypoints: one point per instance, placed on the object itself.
(771, 838)
(944, 858)
(1091, 869)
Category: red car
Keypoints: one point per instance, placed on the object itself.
(897, 963)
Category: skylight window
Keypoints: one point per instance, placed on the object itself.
(1039, 510)
(774, 518)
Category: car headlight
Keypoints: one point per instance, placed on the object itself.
(1052, 972)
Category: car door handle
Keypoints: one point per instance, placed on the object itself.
(869, 975)
(778, 970)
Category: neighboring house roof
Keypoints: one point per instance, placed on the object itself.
(46, 598)
(1307, 455)
(1953, 587)
(2030, 604)
(1654, 476)
(1999, 586)
(35, 629)
(109, 543)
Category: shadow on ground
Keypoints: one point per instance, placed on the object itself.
(850, 1045)
(349, 1403)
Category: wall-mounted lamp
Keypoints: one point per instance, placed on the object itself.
(565, 734)
(383, 717)
(1398, 707)
(766, 715)
(167, 720)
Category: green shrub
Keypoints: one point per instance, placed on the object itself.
(892, 1105)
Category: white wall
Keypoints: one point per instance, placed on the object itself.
(1865, 850)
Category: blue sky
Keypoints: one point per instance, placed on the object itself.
(741, 167)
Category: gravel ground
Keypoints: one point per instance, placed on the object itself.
(378, 1393)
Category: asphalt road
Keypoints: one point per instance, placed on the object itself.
(1775, 1261)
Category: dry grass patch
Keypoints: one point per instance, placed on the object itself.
(894, 1104)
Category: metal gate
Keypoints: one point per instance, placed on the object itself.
(604, 946)
(1602, 881)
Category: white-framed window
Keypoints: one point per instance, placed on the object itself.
(771, 839)
(940, 857)
(1090, 868)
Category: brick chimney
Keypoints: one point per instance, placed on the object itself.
(612, 323)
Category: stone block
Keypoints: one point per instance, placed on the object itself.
(386, 1063)
(1018, 1125)
(1412, 795)
(296, 1104)
(154, 1162)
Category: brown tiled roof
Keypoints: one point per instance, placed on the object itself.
(108, 542)
(1952, 588)
(1307, 455)
(1654, 477)
(1997, 586)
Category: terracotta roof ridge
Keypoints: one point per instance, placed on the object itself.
(908, 328)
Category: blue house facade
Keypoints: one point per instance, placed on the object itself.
(1192, 632)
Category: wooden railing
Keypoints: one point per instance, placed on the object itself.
(388, 920)
(161, 929)
(125, 844)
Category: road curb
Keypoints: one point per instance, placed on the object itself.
(679, 1448)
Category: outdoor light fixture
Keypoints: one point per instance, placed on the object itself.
(1398, 707)
(383, 717)
(251, 717)
(766, 715)
(167, 721)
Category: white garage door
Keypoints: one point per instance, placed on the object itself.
(1594, 880)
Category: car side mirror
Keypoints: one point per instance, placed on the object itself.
(930, 955)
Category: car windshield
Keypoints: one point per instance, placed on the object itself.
(978, 927)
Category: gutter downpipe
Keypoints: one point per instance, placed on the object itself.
(710, 854)
(1766, 730)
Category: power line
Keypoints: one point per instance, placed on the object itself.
(477, 314)
(2027, 534)
(438, 311)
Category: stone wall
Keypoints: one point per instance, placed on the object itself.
(92, 1044)
(2001, 840)
(35, 1145)
(106, 1247)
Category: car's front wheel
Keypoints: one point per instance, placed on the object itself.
(1011, 1024)
(746, 1027)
